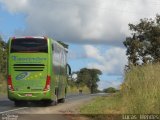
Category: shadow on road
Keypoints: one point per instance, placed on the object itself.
(5, 103)
(8, 103)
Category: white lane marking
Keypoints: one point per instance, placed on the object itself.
(13, 110)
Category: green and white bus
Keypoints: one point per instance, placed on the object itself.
(37, 70)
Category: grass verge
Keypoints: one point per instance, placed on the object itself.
(100, 106)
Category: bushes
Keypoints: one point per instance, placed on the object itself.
(110, 90)
(3, 85)
(74, 90)
(3, 65)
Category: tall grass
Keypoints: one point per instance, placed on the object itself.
(141, 90)
(139, 94)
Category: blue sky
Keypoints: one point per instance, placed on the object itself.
(94, 29)
(10, 22)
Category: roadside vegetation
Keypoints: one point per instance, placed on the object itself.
(3, 65)
(140, 90)
(103, 105)
(84, 81)
(139, 94)
(110, 90)
(74, 90)
(3, 85)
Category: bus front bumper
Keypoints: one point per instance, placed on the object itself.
(29, 96)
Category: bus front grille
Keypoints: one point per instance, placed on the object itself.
(28, 67)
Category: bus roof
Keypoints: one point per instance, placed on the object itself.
(28, 37)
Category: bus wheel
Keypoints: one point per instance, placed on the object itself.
(61, 100)
(20, 103)
(47, 102)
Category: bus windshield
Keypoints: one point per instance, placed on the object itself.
(29, 45)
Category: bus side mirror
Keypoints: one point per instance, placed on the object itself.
(68, 69)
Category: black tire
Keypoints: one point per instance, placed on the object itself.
(20, 103)
(47, 102)
(61, 100)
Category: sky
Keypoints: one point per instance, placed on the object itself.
(94, 29)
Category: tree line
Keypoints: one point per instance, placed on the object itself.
(87, 77)
(3, 58)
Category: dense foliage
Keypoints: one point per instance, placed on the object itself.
(110, 90)
(143, 46)
(3, 57)
(89, 77)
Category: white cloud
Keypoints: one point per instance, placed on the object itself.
(15, 5)
(93, 52)
(110, 61)
(91, 21)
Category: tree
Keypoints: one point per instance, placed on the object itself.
(89, 77)
(3, 57)
(110, 90)
(143, 46)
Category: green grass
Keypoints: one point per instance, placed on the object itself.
(103, 105)
(100, 106)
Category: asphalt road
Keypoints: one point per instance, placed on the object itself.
(8, 111)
